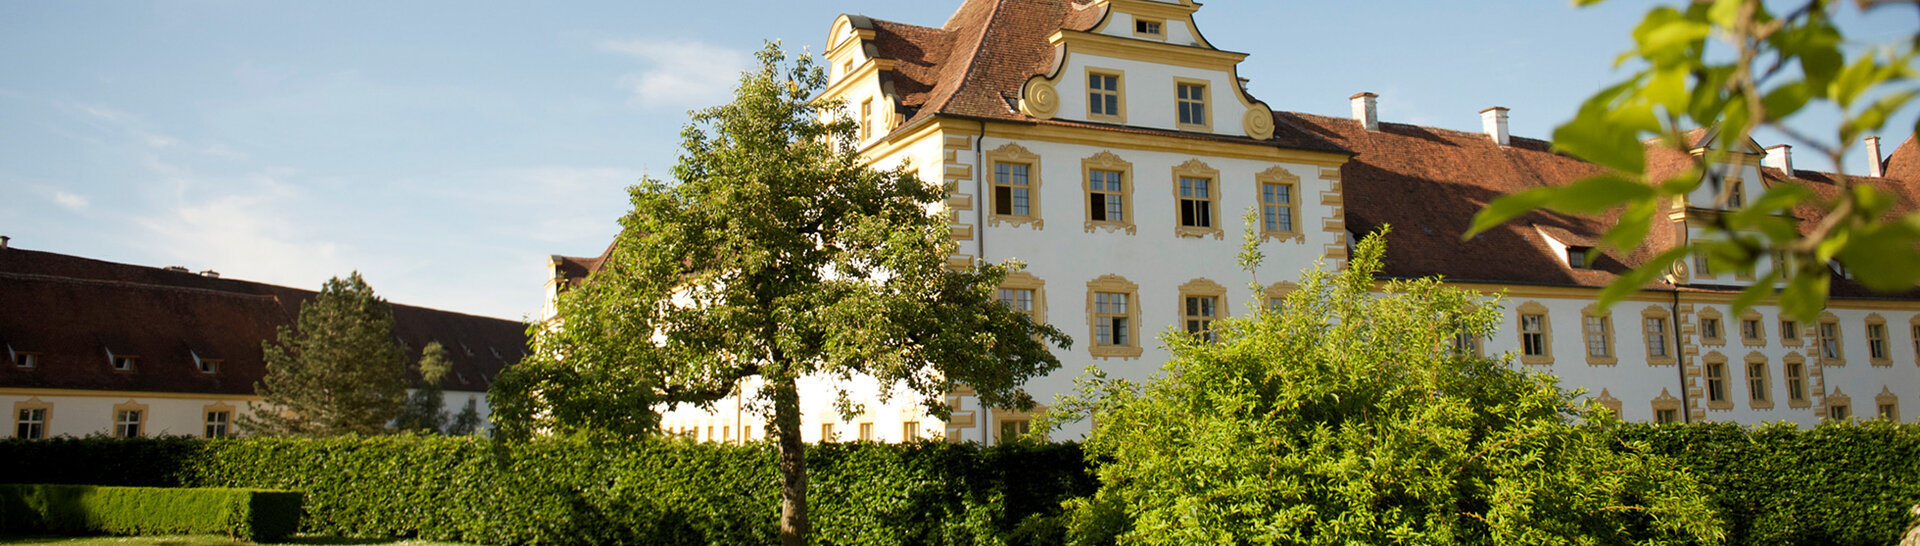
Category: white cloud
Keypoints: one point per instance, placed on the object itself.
(679, 73)
(74, 202)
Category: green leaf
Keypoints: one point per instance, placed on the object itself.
(1666, 31)
(1508, 207)
(1759, 290)
(1597, 193)
(1874, 116)
(1854, 80)
(1632, 228)
(1602, 141)
(1783, 101)
(1668, 87)
(1805, 294)
(1883, 256)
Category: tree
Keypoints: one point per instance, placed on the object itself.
(338, 372)
(1351, 418)
(779, 254)
(467, 421)
(1763, 69)
(425, 409)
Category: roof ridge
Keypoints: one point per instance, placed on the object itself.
(972, 55)
(131, 284)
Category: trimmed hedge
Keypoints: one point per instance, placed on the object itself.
(78, 509)
(1836, 483)
(1832, 484)
(588, 491)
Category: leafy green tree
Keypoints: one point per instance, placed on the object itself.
(338, 372)
(779, 254)
(424, 410)
(1350, 418)
(467, 421)
(1737, 66)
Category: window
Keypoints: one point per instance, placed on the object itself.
(726, 433)
(1014, 428)
(1916, 339)
(1666, 408)
(1889, 413)
(1200, 301)
(1789, 332)
(1654, 327)
(209, 365)
(1886, 405)
(1190, 105)
(1796, 382)
(710, 435)
(1147, 28)
(1716, 371)
(1016, 186)
(1279, 209)
(1710, 330)
(30, 422)
(1577, 257)
(1597, 329)
(1877, 341)
(1198, 199)
(1109, 187)
(866, 432)
(1276, 295)
(1023, 292)
(122, 363)
(1759, 386)
(217, 423)
(909, 431)
(1666, 416)
(1467, 344)
(1536, 342)
(1736, 193)
(1830, 350)
(1105, 97)
(1113, 314)
(826, 432)
(1839, 412)
(1700, 265)
(866, 119)
(126, 423)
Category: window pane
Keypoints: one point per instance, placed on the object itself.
(1120, 304)
(1020, 207)
(1120, 333)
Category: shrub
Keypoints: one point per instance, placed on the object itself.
(75, 509)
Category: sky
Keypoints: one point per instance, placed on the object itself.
(445, 149)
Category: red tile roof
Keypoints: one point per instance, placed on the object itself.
(974, 66)
(72, 310)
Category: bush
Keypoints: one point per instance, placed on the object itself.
(1837, 483)
(77, 509)
(588, 490)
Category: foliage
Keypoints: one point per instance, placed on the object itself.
(1346, 419)
(779, 254)
(467, 421)
(339, 372)
(425, 409)
(1837, 483)
(74, 509)
(1775, 65)
(600, 490)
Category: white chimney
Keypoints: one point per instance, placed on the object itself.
(1494, 121)
(1780, 156)
(1876, 167)
(1365, 110)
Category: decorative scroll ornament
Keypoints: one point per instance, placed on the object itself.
(1258, 122)
(1038, 99)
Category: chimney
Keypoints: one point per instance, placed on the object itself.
(1365, 110)
(1494, 121)
(3, 241)
(210, 274)
(1780, 156)
(1876, 167)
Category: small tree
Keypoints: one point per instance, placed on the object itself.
(337, 372)
(779, 255)
(467, 421)
(1349, 418)
(425, 411)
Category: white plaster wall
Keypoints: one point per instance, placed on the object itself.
(84, 415)
(1149, 92)
(1178, 31)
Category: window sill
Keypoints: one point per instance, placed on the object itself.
(1198, 232)
(1662, 361)
(1760, 404)
(1016, 221)
(1799, 404)
(1602, 361)
(1283, 236)
(1880, 361)
(1537, 360)
(1109, 227)
(1115, 351)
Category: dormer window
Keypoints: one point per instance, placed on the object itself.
(1148, 28)
(121, 363)
(1577, 257)
(206, 365)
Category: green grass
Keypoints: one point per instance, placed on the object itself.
(205, 540)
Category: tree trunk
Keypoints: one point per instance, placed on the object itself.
(793, 464)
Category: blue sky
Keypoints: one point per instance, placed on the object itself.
(445, 149)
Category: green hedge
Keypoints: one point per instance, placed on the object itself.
(81, 509)
(1850, 483)
(580, 491)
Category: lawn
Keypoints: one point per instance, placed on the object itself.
(204, 540)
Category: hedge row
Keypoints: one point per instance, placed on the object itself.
(1832, 484)
(582, 491)
(1851, 483)
(82, 509)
